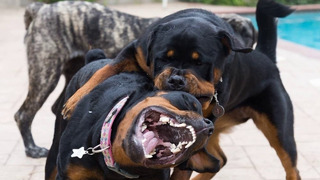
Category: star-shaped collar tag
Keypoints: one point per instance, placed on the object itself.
(78, 152)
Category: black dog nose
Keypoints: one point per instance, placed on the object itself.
(176, 82)
(210, 131)
(210, 123)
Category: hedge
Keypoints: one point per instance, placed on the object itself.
(251, 2)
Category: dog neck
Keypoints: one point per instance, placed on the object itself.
(105, 139)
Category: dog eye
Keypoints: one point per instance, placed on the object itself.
(162, 59)
(198, 62)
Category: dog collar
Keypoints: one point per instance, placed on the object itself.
(105, 146)
(105, 139)
(218, 110)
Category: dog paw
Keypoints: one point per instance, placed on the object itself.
(36, 152)
(68, 108)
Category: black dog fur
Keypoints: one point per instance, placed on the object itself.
(58, 36)
(83, 128)
(195, 51)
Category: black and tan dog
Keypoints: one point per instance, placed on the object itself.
(195, 51)
(150, 130)
(59, 35)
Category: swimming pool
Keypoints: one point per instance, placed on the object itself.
(300, 27)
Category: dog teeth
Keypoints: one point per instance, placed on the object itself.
(164, 119)
(175, 151)
(173, 148)
(184, 143)
(143, 127)
(153, 152)
(191, 129)
(189, 144)
(179, 125)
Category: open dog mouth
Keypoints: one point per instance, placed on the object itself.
(162, 137)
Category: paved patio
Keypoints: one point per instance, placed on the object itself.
(249, 154)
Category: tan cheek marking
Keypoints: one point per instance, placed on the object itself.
(217, 75)
(160, 80)
(195, 55)
(170, 53)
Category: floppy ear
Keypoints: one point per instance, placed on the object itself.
(128, 52)
(232, 43)
(150, 41)
(201, 162)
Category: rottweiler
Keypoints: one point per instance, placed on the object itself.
(196, 51)
(125, 128)
(58, 35)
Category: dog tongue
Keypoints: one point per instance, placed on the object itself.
(150, 141)
(148, 136)
(151, 145)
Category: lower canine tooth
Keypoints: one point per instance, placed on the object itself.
(153, 152)
(176, 150)
(148, 156)
(172, 146)
(143, 127)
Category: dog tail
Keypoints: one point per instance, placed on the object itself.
(93, 55)
(267, 13)
(31, 12)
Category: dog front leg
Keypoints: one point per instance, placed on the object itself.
(179, 174)
(125, 65)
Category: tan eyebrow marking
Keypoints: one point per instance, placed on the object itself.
(195, 55)
(170, 53)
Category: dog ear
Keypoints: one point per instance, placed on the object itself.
(232, 43)
(201, 162)
(127, 52)
(150, 41)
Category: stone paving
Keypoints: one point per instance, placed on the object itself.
(249, 154)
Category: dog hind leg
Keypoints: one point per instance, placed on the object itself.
(70, 69)
(40, 86)
(275, 121)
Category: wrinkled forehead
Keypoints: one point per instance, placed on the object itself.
(187, 34)
(177, 102)
(199, 26)
(183, 101)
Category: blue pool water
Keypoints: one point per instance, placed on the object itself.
(300, 27)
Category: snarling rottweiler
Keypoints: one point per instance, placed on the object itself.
(125, 128)
(195, 51)
(58, 35)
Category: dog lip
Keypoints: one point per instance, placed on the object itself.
(149, 142)
(209, 129)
